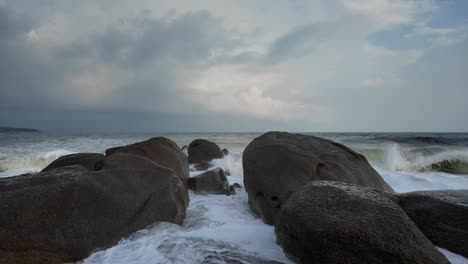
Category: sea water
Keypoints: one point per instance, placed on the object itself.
(220, 229)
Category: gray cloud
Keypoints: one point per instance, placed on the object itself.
(151, 51)
(180, 65)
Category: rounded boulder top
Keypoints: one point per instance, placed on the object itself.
(277, 163)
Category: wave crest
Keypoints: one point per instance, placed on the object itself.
(393, 157)
(30, 163)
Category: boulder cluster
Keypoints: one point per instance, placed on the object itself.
(328, 205)
(84, 202)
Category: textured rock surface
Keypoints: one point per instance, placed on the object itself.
(210, 182)
(202, 151)
(87, 160)
(332, 222)
(441, 215)
(68, 212)
(276, 164)
(161, 150)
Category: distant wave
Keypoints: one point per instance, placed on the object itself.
(433, 139)
(30, 163)
(395, 158)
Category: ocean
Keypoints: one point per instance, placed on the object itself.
(220, 228)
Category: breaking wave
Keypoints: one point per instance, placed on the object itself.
(394, 157)
(29, 163)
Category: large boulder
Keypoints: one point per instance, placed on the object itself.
(441, 215)
(87, 160)
(332, 222)
(161, 150)
(210, 182)
(276, 164)
(68, 212)
(202, 151)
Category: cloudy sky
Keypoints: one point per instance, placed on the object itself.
(240, 65)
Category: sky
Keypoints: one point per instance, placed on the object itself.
(220, 66)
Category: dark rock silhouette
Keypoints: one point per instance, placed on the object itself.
(276, 164)
(87, 160)
(441, 215)
(202, 151)
(332, 222)
(210, 182)
(68, 212)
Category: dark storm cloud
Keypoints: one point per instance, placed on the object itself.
(67, 63)
(24, 75)
(189, 38)
(151, 50)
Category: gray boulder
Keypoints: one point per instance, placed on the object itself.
(67, 213)
(210, 182)
(332, 222)
(441, 215)
(202, 151)
(225, 151)
(276, 164)
(161, 150)
(87, 160)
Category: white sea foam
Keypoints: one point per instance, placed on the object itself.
(216, 227)
(231, 163)
(418, 181)
(398, 158)
(10, 165)
(454, 258)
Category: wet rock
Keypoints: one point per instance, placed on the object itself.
(67, 213)
(236, 185)
(161, 150)
(332, 222)
(441, 215)
(225, 151)
(232, 190)
(210, 182)
(202, 151)
(87, 160)
(276, 164)
(201, 166)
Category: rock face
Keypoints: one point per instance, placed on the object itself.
(202, 151)
(68, 212)
(210, 182)
(161, 150)
(332, 222)
(225, 151)
(441, 215)
(87, 160)
(276, 164)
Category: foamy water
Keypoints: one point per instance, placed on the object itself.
(221, 228)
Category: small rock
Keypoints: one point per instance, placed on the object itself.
(210, 182)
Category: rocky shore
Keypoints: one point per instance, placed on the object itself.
(327, 204)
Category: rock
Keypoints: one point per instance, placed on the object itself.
(87, 160)
(229, 257)
(276, 164)
(333, 222)
(232, 190)
(210, 182)
(161, 150)
(69, 212)
(225, 151)
(236, 185)
(203, 151)
(201, 166)
(441, 215)
(32, 256)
